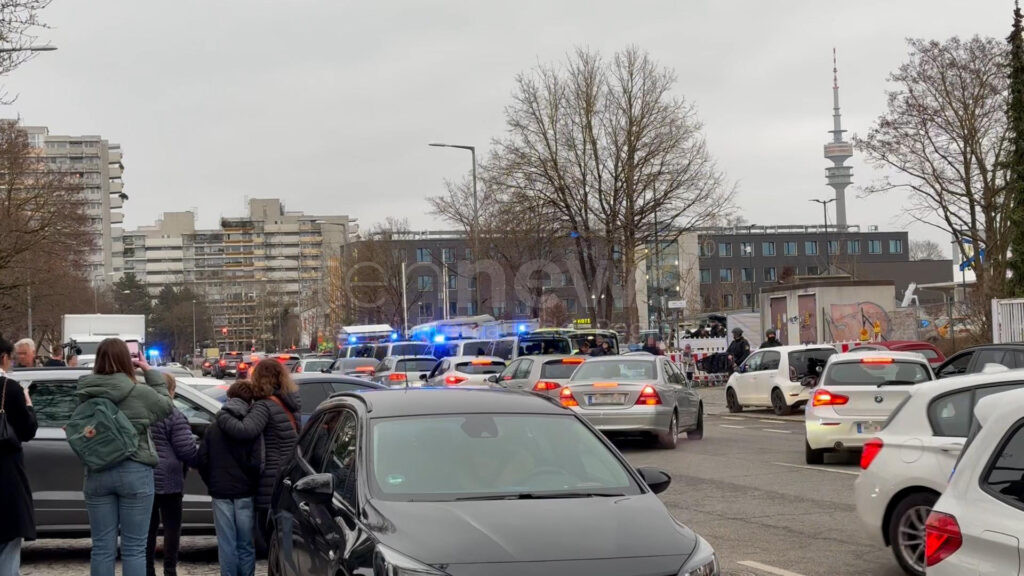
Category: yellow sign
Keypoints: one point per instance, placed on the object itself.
(863, 334)
(878, 327)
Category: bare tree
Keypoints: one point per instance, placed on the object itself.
(616, 158)
(926, 250)
(943, 140)
(374, 278)
(19, 20)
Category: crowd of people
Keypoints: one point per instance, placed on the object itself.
(134, 477)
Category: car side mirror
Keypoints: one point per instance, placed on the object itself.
(742, 368)
(316, 486)
(423, 377)
(656, 479)
(493, 378)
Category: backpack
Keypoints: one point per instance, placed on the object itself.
(100, 434)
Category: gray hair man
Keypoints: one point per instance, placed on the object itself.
(25, 353)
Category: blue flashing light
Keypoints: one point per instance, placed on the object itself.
(394, 335)
(439, 338)
(153, 352)
(522, 328)
(352, 339)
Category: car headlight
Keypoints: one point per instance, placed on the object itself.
(703, 561)
(387, 562)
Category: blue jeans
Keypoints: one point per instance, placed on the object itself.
(10, 557)
(234, 521)
(121, 497)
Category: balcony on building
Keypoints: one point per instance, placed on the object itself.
(116, 218)
(115, 170)
(116, 187)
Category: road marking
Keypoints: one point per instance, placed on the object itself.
(732, 418)
(767, 568)
(729, 426)
(818, 468)
(775, 421)
(777, 431)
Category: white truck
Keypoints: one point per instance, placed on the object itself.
(88, 330)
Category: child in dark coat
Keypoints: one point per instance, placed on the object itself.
(231, 469)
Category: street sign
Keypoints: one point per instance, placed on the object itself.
(674, 304)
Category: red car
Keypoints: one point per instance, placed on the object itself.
(933, 354)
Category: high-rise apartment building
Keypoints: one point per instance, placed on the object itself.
(98, 164)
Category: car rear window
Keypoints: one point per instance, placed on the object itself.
(233, 356)
(927, 353)
(869, 372)
(415, 365)
(317, 365)
(470, 368)
(536, 346)
(635, 370)
(557, 370)
(445, 350)
(409, 349)
(476, 348)
(803, 361)
(53, 401)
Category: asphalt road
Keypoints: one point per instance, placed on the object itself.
(744, 487)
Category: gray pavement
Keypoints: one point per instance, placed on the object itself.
(745, 488)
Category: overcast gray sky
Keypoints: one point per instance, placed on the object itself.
(330, 104)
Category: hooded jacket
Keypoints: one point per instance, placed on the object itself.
(271, 421)
(230, 467)
(143, 404)
(175, 448)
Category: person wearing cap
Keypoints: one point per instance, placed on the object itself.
(770, 341)
(739, 348)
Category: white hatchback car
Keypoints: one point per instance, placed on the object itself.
(977, 526)
(774, 377)
(855, 396)
(907, 465)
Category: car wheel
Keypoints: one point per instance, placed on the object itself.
(698, 431)
(274, 556)
(779, 403)
(731, 402)
(667, 440)
(813, 456)
(906, 531)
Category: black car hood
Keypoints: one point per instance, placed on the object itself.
(510, 531)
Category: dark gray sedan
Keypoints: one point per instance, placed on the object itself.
(628, 395)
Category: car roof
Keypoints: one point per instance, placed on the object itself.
(546, 357)
(645, 357)
(413, 357)
(855, 356)
(51, 373)
(935, 388)
(993, 346)
(319, 377)
(892, 343)
(396, 402)
(1002, 406)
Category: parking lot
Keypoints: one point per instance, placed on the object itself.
(744, 487)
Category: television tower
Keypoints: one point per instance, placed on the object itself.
(838, 151)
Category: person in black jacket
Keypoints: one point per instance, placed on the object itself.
(738, 349)
(274, 416)
(770, 341)
(17, 522)
(231, 470)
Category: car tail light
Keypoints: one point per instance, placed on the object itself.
(649, 396)
(453, 380)
(243, 366)
(545, 386)
(480, 362)
(572, 360)
(397, 377)
(871, 449)
(823, 397)
(942, 538)
(876, 360)
(298, 368)
(566, 397)
(793, 376)
(223, 362)
(365, 369)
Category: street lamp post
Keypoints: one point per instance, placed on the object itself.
(824, 211)
(45, 48)
(476, 221)
(193, 329)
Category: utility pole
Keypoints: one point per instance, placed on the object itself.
(824, 211)
(405, 305)
(29, 289)
(476, 222)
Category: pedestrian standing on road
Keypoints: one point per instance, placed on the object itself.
(275, 417)
(231, 469)
(176, 450)
(651, 346)
(119, 496)
(738, 349)
(770, 340)
(18, 419)
(24, 353)
(56, 357)
(689, 364)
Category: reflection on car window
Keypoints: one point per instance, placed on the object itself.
(951, 415)
(1004, 479)
(957, 366)
(53, 401)
(342, 459)
(191, 410)
(620, 370)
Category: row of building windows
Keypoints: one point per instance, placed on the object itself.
(447, 255)
(791, 248)
(768, 274)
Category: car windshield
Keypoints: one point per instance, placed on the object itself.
(316, 365)
(535, 346)
(635, 370)
(409, 349)
(481, 456)
(476, 348)
(876, 372)
(233, 356)
(557, 370)
(415, 365)
(472, 368)
(805, 361)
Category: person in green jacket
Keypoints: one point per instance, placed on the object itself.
(120, 499)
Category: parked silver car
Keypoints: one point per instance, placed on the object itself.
(55, 472)
(635, 395)
(541, 374)
(402, 371)
(464, 371)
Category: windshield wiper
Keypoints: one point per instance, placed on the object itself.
(897, 383)
(541, 496)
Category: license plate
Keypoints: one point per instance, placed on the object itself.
(600, 399)
(868, 427)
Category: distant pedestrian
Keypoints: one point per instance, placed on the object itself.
(56, 357)
(585, 348)
(24, 353)
(119, 496)
(73, 361)
(651, 346)
(275, 417)
(770, 341)
(738, 349)
(17, 522)
(689, 364)
(231, 469)
(176, 449)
